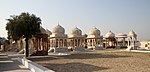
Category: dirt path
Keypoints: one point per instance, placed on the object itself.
(99, 61)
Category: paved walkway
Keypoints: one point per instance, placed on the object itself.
(9, 63)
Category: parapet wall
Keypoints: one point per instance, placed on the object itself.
(34, 67)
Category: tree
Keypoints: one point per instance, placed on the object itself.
(25, 26)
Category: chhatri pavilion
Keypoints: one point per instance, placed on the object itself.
(94, 39)
(58, 41)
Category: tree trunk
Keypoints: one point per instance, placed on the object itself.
(27, 47)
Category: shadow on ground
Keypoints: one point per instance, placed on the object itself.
(43, 59)
(92, 56)
(81, 56)
(6, 64)
(74, 67)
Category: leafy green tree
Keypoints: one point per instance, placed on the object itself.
(21, 26)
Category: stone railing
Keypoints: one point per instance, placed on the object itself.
(34, 67)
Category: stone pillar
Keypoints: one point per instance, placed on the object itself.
(74, 42)
(77, 43)
(58, 43)
(129, 42)
(80, 43)
(92, 42)
(44, 41)
(41, 45)
(117, 41)
(51, 43)
(71, 43)
(36, 44)
(123, 41)
(107, 42)
(95, 44)
(54, 43)
(87, 42)
(63, 43)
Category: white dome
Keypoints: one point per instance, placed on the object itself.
(58, 29)
(76, 31)
(109, 34)
(121, 35)
(94, 31)
(131, 33)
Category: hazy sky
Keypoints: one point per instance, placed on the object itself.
(115, 15)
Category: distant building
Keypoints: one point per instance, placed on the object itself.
(144, 44)
(132, 41)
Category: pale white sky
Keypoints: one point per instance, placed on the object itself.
(115, 15)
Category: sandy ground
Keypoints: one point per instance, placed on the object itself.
(98, 61)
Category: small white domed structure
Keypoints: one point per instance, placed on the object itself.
(121, 43)
(94, 40)
(58, 30)
(94, 32)
(58, 39)
(76, 39)
(110, 35)
(132, 40)
(110, 40)
(76, 32)
(131, 33)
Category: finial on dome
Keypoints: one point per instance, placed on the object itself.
(132, 30)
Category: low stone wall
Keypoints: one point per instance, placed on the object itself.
(79, 49)
(62, 50)
(34, 67)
